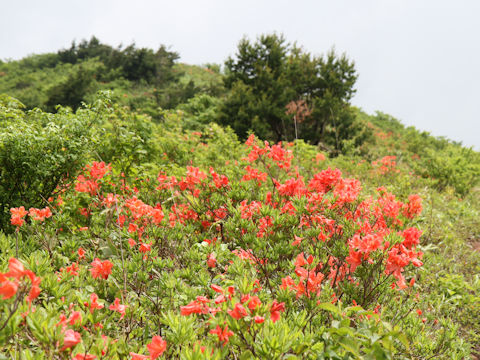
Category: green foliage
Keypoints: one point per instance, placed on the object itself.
(72, 91)
(135, 64)
(151, 165)
(452, 166)
(207, 79)
(38, 152)
(121, 137)
(199, 111)
(142, 78)
(445, 164)
(281, 92)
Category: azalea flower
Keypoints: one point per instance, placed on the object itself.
(144, 247)
(16, 269)
(138, 356)
(81, 253)
(259, 319)
(17, 216)
(275, 310)
(75, 317)
(94, 303)
(70, 339)
(156, 347)
(116, 306)
(211, 261)
(223, 335)
(254, 302)
(101, 268)
(238, 312)
(39, 214)
(216, 288)
(193, 308)
(7, 288)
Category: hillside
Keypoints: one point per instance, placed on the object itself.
(138, 77)
(136, 226)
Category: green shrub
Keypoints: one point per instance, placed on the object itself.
(38, 153)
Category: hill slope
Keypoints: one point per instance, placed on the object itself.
(168, 236)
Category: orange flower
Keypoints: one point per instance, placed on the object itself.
(17, 216)
(238, 312)
(132, 228)
(414, 206)
(7, 288)
(216, 288)
(16, 268)
(75, 317)
(39, 214)
(220, 298)
(156, 347)
(101, 268)
(81, 253)
(93, 303)
(83, 356)
(319, 157)
(84, 185)
(254, 303)
(35, 290)
(138, 356)
(144, 247)
(193, 308)
(116, 306)
(259, 319)
(211, 261)
(297, 241)
(70, 339)
(19, 212)
(98, 169)
(275, 310)
(62, 322)
(223, 335)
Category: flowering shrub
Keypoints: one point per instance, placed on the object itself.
(268, 256)
(38, 151)
(386, 165)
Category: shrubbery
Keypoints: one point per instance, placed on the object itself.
(38, 152)
(443, 162)
(268, 255)
(162, 235)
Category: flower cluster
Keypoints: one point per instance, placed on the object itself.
(247, 308)
(12, 282)
(18, 214)
(386, 165)
(88, 183)
(227, 257)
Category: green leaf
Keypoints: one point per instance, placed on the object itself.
(329, 307)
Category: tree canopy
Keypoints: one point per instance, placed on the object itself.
(133, 63)
(281, 92)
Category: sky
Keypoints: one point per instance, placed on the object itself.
(417, 60)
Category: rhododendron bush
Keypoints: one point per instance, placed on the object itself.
(268, 257)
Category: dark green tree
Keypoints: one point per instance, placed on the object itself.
(259, 88)
(267, 78)
(133, 63)
(333, 118)
(72, 91)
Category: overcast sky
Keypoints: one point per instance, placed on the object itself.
(418, 60)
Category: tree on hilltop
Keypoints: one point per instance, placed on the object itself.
(266, 76)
